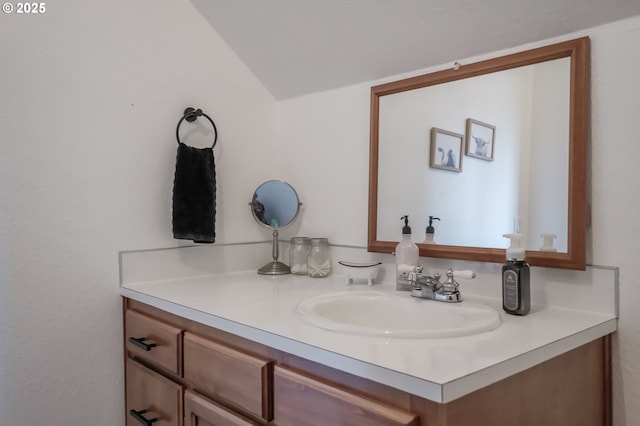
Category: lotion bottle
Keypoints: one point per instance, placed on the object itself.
(516, 297)
(407, 255)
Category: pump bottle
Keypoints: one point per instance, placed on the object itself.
(430, 233)
(516, 297)
(407, 255)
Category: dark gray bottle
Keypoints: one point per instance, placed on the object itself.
(516, 291)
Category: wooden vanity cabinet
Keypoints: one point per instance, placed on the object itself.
(201, 411)
(151, 397)
(302, 400)
(156, 342)
(240, 380)
(222, 379)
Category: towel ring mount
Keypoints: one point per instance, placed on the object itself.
(191, 115)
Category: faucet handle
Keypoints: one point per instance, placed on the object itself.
(451, 285)
(413, 275)
(466, 274)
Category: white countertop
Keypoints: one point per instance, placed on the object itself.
(262, 308)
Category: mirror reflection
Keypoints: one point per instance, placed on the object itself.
(489, 148)
(275, 205)
(512, 153)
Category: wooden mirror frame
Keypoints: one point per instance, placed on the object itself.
(578, 51)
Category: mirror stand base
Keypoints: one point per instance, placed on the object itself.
(274, 268)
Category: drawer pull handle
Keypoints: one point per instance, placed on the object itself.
(138, 415)
(139, 342)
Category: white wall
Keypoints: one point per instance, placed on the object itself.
(90, 95)
(334, 125)
(615, 197)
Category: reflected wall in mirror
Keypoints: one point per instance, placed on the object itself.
(529, 106)
(275, 205)
(533, 179)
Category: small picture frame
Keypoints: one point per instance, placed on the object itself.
(446, 150)
(480, 139)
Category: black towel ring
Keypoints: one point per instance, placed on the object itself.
(191, 114)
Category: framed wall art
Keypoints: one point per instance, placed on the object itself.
(480, 139)
(446, 150)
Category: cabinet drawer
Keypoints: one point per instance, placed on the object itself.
(301, 400)
(154, 341)
(152, 396)
(200, 411)
(235, 378)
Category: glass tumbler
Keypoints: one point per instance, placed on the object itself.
(299, 254)
(319, 258)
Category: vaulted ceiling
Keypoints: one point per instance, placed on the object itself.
(296, 47)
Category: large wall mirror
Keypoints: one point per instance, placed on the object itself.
(489, 148)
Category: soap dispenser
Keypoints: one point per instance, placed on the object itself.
(547, 242)
(407, 255)
(430, 234)
(516, 297)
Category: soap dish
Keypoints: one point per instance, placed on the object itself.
(360, 271)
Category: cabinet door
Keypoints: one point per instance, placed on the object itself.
(235, 378)
(301, 400)
(152, 396)
(200, 411)
(154, 341)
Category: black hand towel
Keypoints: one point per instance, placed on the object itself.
(194, 195)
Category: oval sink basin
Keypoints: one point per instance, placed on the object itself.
(373, 313)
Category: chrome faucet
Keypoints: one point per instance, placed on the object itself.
(430, 287)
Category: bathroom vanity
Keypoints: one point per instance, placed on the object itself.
(230, 348)
(208, 341)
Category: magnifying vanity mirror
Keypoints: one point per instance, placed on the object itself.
(275, 205)
(531, 110)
